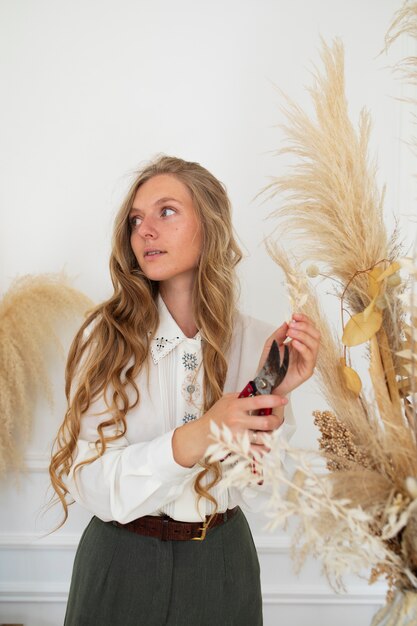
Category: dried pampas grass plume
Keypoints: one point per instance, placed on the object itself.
(331, 203)
(28, 313)
(404, 23)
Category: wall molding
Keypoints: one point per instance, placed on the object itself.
(36, 462)
(295, 594)
(34, 592)
(265, 544)
(30, 541)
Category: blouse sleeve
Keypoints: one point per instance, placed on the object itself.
(128, 480)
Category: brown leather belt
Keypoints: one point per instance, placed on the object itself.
(168, 529)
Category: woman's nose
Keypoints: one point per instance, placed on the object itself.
(147, 229)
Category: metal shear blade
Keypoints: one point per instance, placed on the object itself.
(273, 372)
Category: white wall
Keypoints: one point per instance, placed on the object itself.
(91, 89)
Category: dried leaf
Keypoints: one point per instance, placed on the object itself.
(352, 380)
(391, 269)
(371, 306)
(359, 329)
(373, 277)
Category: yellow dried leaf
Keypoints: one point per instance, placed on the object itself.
(352, 380)
(381, 301)
(373, 285)
(391, 269)
(394, 280)
(369, 308)
(358, 329)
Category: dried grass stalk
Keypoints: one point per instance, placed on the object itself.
(352, 411)
(333, 205)
(331, 528)
(404, 23)
(29, 312)
(375, 462)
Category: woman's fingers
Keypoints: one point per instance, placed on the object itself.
(242, 413)
(262, 423)
(255, 403)
(304, 338)
(307, 329)
(304, 324)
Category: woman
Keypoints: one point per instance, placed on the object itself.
(147, 372)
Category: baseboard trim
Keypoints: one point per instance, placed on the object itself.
(46, 593)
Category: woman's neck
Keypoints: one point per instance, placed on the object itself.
(180, 304)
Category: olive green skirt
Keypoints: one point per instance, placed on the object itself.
(124, 579)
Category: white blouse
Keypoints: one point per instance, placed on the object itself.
(137, 475)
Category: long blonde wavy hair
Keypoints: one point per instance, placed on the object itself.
(108, 357)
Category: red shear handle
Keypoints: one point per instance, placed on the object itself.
(249, 391)
(264, 412)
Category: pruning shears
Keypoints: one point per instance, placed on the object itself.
(269, 376)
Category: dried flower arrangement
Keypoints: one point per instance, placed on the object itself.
(29, 312)
(356, 499)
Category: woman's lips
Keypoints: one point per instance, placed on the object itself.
(153, 254)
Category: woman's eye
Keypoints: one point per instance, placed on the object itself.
(166, 211)
(135, 221)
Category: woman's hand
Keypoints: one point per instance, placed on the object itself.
(303, 351)
(236, 413)
(190, 441)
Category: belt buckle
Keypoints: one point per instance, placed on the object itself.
(203, 533)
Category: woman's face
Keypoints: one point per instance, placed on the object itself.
(165, 231)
